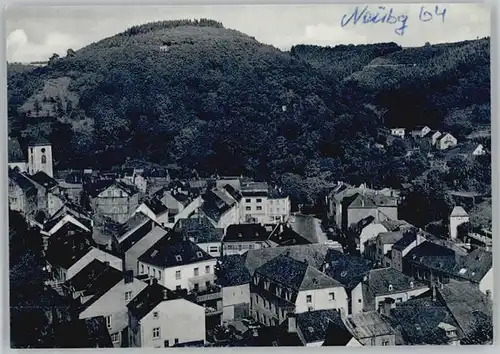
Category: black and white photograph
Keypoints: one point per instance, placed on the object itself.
(249, 175)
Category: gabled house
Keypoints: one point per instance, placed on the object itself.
(173, 199)
(401, 248)
(137, 249)
(65, 227)
(178, 264)
(68, 261)
(49, 193)
(359, 206)
(131, 232)
(135, 177)
(448, 314)
(112, 304)
(220, 208)
(22, 193)
(155, 210)
(285, 285)
(200, 230)
(284, 235)
(161, 318)
(384, 243)
(348, 270)
(420, 131)
(446, 141)
(307, 227)
(458, 217)
(118, 201)
(399, 132)
(370, 329)
(241, 237)
(91, 282)
(383, 283)
(16, 158)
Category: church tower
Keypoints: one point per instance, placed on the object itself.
(40, 158)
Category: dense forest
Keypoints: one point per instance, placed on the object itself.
(215, 100)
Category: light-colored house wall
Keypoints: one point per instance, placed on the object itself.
(234, 295)
(321, 300)
(187, 278)
(113, 304)
(178, 318)
(455, 222)
(35, 160)
(161, 219)
(486, 284)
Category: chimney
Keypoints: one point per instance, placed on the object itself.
(128, 276)
(434, 296)
(292, 323)
(386, 306)
(165, 294)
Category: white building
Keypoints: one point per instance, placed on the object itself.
(398, 132)
(446, 141)
(178, 265)
(384, 283)
(40, 158)
(161, 318)
(458, 217)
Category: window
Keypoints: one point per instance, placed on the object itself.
(44, 159)
(178, 287)
(207, 284)
(128, 295)
(196, 272)
(156, 333)
(108, 321)
(196, 287)
(240, 247)
(399, 299)
(154, 272)
(156, 315)
(31, 150)
(359, 301)
(115, 337)
(199, 254)
(331, 296)
(390, 287)
(385, 342)
(488, 293)
(142, 268)
(259, 208)
(159, 275)
(176, 341)
(149, 270)
(207, 269)
(309, 299)
(247, 200)
(166, 343)
(259, 200)
(248, 208)
(178, 258)
(214, 249)
(177, 274)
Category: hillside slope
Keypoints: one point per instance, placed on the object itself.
(218, 101)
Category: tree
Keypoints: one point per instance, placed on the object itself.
(37, 106)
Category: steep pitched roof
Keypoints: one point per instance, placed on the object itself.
(21, 180)
(389, 238)
(315, 255)
(233, 271)
(44, 180)
(475, 265)
(199, 230)
(288, 237)
(417, 320)
(393, 225)
(308, 227)
(295, 274)
(464, 300)
(245, 233)
(156, 206)
(389, 280)
(170, 251)
(408, 238)
(150, 297)
(433, 256)
(347, 269)
(337, 334)
(458, 211)
(367, 325)
(314, 324)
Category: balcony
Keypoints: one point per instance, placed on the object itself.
(214, 292)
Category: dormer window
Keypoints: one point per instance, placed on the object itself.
(412, 284)
(154, 253)
(44, 159)
(390, 287)
(199, 254)
(178, 258)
